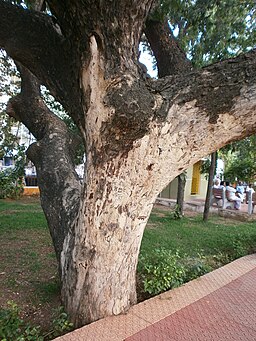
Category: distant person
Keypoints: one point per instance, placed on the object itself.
(240, 187)
(216, 183)
(233, 195)
(223, 185)
(249, 188)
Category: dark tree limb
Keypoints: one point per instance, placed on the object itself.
(32, 38)
(52, 155)
(121, 23)
(170, 58)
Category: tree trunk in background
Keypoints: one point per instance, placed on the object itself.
(181, 191)
(209, 187)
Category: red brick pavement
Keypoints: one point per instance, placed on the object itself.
(219, 306)
(228, 313)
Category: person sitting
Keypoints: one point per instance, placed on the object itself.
(239, 199)
(240, 189)
(223, 185)
(216, 183)
(249, 188)
(233, 195)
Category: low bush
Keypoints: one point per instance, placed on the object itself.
(195, 266)
(14, 328)
(12, 179)
(161, 270)
(164, 270)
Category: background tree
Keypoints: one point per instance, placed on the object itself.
(9, 85)
(180, 193)
(139, 133)
(241, 160)
(211, 173)
(204, 28)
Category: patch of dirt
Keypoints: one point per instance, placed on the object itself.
(151, 226)
(28, 275)
(191, 214)
(26, 199)
(162, 207)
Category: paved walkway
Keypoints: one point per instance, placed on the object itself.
(218, 306)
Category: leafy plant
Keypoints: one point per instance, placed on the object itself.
(239, 249)
(176, 213)
(12, 327)
(195, 266)
(161, 271)
(11, 179)
(61, 324)
(164, 270)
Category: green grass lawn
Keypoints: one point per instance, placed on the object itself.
(28, 268)
(191, 235)
(176, 251)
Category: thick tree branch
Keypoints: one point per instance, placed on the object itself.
(32, 38)
(170, 58)
(202, 111)
(52, 155)
(215, 88)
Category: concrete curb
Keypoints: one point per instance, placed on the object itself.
(144, 314)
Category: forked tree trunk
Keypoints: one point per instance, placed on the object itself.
(139, 133)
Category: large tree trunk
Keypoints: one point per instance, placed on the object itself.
(139, 134)
(100, 254)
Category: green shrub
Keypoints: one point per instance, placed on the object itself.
(10, 187)
(164, 270)
(195, 266)
(161, 271)
(239, 249)
(12, 327)
(11, 179)
(61, 324)
(176, 213)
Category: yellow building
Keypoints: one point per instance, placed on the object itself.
(196, 185)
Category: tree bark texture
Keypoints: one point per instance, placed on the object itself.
(139, 133)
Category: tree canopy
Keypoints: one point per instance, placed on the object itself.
(240, 159)
(213, 30)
